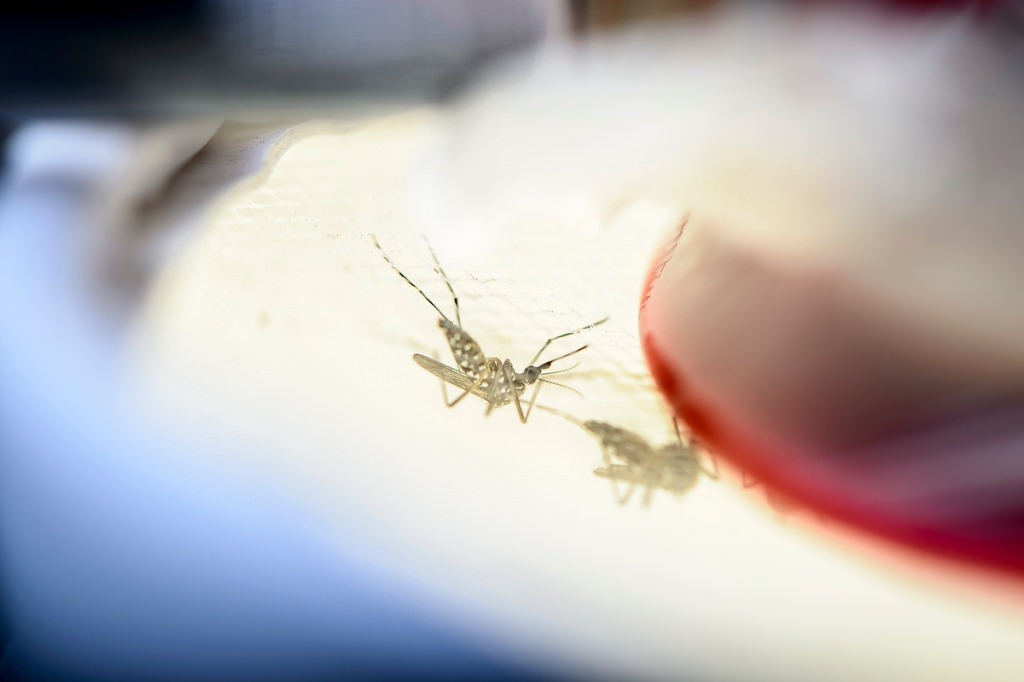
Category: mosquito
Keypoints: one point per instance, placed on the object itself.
(674, 467)
(491, 378)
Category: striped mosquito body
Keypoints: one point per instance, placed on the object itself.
(630, 459)
(494, 380)
(491, 384)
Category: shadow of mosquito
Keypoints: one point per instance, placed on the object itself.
(629, 459)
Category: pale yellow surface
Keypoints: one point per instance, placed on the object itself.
(281, 337)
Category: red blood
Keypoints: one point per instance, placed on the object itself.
(869, 431)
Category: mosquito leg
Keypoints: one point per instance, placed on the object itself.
(444, 390)
(629, 493)
(507, 372)
(648, 495)
(444, 394)
(749, 481)
(562, 336)
(444, 387)
(612, 480)
(476, 384)
(453, 403)
(529, 408)
(614, 474)
(492, 392)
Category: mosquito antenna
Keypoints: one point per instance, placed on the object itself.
(562, 336)
(413, 285)
(447, 282)
(568, 388)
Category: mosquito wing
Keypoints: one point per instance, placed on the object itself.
(451, 375)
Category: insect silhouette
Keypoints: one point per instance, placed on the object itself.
(674, 467)
(493, 379)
